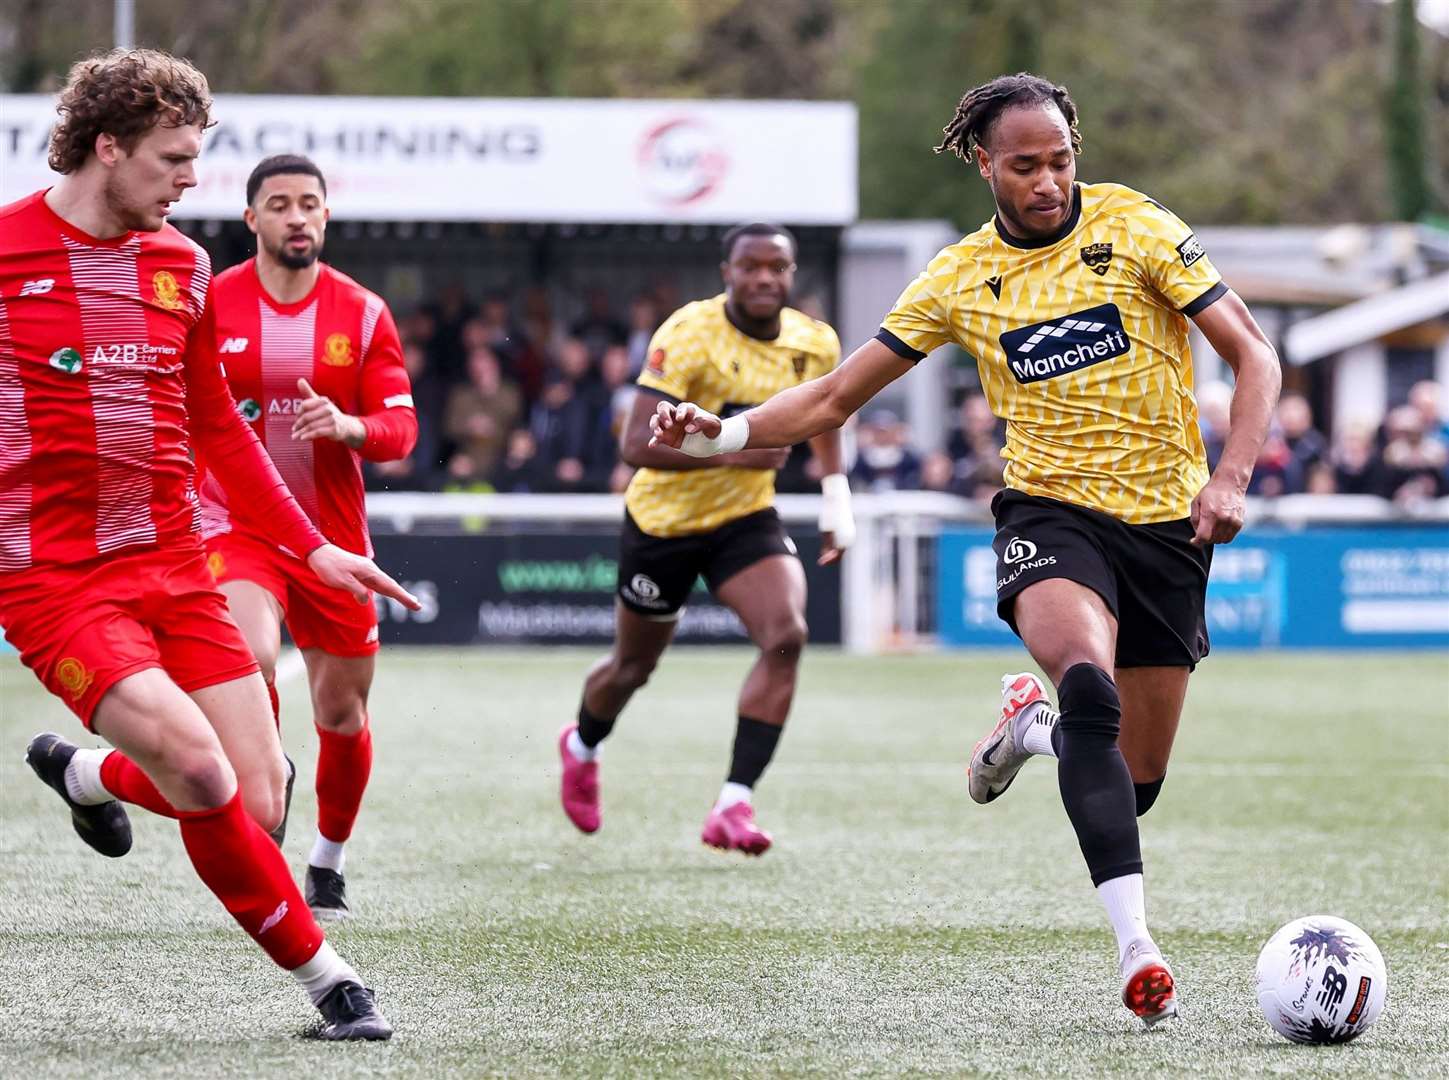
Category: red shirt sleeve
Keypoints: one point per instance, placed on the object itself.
(388, 415)
(233, 453)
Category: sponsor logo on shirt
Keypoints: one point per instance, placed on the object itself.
(234, 345)
(38, 287)
(290, 406)
(168, 293)
(130, 354)
(994, 284)
(1063, 345)
(337, 350)
(249, 409)
(1191, 250)
(73, 677)
(656, 361)
(67, 360)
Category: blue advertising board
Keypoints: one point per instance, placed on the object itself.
(1380, 587)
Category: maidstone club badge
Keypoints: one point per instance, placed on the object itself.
(337, 350)
(167, 292)
(799, 360)
(1097, 257)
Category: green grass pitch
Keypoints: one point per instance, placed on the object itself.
(895, 929)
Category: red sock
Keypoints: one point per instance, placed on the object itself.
(240, 864)
(124, 779)
(343, 765)
(276, 704)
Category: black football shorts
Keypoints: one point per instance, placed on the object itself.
(657, 573)
(1151, 577)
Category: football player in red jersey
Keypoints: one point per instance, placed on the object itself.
(108, 378)
(314, 362)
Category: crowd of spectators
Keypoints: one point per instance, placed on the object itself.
(512, 399)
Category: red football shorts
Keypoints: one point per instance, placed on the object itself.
(83, 628)
(317, 615)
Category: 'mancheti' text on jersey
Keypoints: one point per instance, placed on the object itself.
(1081, 342)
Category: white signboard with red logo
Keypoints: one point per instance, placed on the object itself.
(506, 159)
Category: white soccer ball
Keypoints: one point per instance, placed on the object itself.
(1321, 980)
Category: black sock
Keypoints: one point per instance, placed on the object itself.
(1147, 794)
(592, 730)
(754, 746)
(1092, 775)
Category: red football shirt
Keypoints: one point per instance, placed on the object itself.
(342, 339)
(108, 372)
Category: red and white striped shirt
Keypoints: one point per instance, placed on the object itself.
(342, 339)
(108, 372)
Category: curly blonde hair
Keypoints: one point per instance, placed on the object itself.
(125, 93)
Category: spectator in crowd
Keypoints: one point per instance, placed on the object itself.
(597, 328)
(1305, 442)
(520, 471)
(975, 450)
(1214, 401)
(1277, 471)
(479, 416)
(445, 347)
(643, 321)
(564, 421)
(1321, 479)
(618, 396)
(1356, 466)
(884, 459)
(1415, 461)
(1427, 397)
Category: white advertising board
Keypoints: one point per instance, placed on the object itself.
(510, 159)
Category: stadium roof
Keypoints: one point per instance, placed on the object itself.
(1368, 319)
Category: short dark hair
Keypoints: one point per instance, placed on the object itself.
(282, 165)
(125, 93)
(756, 228)
(980, 108)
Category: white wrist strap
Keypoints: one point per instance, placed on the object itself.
(836, 516)
(733, 434)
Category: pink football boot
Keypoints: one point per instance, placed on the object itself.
(579, 788)
(734, 829)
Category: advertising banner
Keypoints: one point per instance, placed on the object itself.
(1382, 587)
(544, 586)
(509, 159)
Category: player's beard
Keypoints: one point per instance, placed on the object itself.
(125, 210)
(293, 260)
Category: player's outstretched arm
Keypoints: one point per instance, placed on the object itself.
(1218, 509)
(800, 413)
(638, 449)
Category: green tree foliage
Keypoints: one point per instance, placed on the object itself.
(1232, 111)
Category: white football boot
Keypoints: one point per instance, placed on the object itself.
(999, 757)
(1147, 986)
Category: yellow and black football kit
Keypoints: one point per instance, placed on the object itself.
(681, 524)
(1081, 341)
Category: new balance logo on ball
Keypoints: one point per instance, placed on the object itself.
(1059, 346)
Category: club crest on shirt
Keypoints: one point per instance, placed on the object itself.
(73, 677)
(798, 361)
(167, 292)
(337, 350)
(1097, 257)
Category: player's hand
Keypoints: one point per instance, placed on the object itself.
(837, 520)
(671, 423)
(358, 575)
(1217, 512)
(319, 418)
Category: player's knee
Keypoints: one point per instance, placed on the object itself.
(785, 640)
(342, 715)
(1090, 704)
(1147, 794)
(201, 776)
(632, 672)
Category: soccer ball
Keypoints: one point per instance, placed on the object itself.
(1321, 980)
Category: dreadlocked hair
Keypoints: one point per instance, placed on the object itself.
(980, 108)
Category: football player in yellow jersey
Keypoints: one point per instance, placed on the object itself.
(1074, 299)
(687, 518)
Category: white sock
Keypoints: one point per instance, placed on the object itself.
(83, 778)
(1038, 721)
(1122, 897)
(327, 854)
(324, 971)
(733, 793)
(578, 749)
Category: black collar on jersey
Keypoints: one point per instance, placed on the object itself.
(1046, 241)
